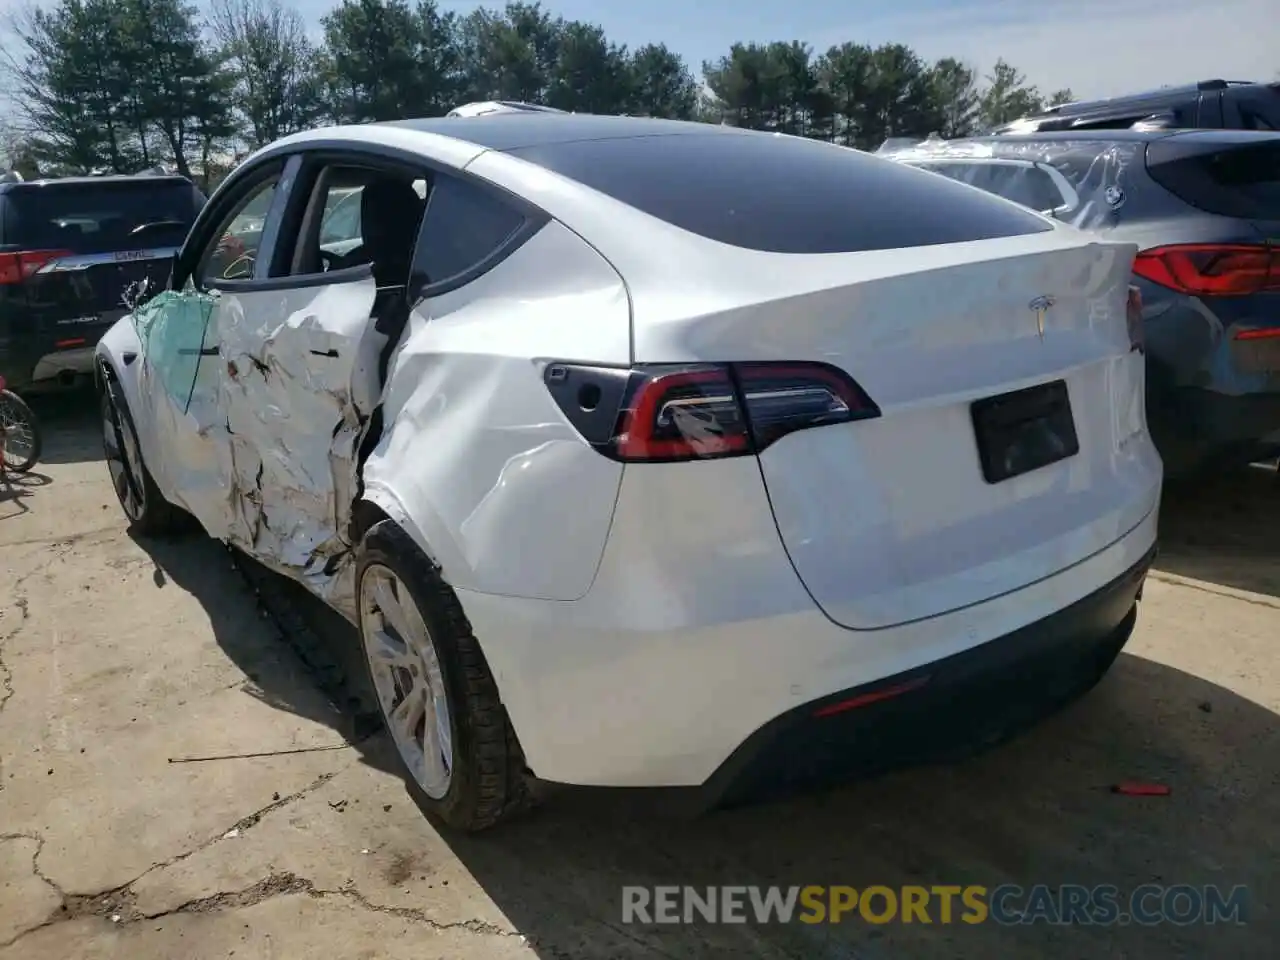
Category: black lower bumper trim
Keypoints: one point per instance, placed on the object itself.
(939, 711)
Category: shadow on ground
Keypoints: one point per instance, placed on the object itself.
(15, 489)
(69, 421)
(1224, 530)
(1038, 810)
(317, 648)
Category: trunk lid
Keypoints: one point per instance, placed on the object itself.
(893, 519)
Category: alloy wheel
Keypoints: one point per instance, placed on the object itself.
(408, 678)
(124, 462)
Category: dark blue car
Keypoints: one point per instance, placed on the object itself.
(1203, 206)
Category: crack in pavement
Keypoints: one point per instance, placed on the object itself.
(279, 884)
(6, 675)
(120, 905)
(120, 901)
(61, 547)
(38, 840)
(65, 539)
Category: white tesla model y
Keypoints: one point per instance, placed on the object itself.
(653, 454)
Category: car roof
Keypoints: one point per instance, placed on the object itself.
(512, 131)
(1153, 101)
(59, 183)
(1117, 136)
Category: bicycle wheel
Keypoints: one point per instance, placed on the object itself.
(20, 438)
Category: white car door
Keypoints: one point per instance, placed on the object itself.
(182, 432)
(297, 377)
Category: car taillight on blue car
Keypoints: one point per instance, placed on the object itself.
(1212, 269)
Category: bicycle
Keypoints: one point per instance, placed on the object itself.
(20, 438)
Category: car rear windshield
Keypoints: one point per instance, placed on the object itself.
(1022, 183)
(106, 217)
(782, 194)
(1236, 180)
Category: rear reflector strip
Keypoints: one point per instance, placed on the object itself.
(873, 696)
(1262, 333)
(65, 344)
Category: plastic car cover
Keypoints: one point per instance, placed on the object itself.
(162, 325)
(1097, 171)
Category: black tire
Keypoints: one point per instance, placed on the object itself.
(488, 782)
(148, 512)
(16, 410)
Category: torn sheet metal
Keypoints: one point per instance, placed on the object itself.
(299, 379)
(1090, 177)
(259, 400)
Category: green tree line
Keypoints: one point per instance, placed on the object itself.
(120, 85)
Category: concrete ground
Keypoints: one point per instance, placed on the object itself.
(182, 776)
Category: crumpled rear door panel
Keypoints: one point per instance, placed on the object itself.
(298, 380)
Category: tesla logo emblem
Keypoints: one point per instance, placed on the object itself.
(1041, 306)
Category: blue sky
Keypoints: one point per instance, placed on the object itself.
(1096, 47)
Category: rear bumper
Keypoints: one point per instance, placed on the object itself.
(942, 709)
(35, 359)
(666, 670)
(78, 360)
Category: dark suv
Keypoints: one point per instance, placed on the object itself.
(70, 249)
(1203, 206)
(1210, 104)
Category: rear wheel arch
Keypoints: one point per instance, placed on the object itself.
(364, 515)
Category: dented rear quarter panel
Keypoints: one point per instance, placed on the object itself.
(473, 451)
(476, 461)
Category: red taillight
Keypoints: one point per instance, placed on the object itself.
(17, 267)
(1259, 333)
(719, 410)
(681, 414)
(1212, 269)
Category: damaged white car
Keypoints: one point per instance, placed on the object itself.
(653, 454)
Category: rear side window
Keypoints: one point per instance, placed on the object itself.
(1253, 108)
(1252, 117)
(463, 227)
(1022, 183)
(106, 217)
(1236, 180)
(782, 194)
